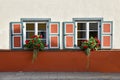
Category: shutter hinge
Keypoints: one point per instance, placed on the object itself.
(64, 34)
(75, 45)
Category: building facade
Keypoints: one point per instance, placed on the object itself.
(62, 23)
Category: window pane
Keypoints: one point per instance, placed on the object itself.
(78, 43)
(81, 26)
(81, 34)
(93, 34)
(30, 26)
(93, 26)
(29, 34)
(41, 26)
(43, 34)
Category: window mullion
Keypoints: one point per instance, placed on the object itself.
(87, 35)
(98, 30)
(76, 42)
(36, 28)
(24, 33)
(47, 34)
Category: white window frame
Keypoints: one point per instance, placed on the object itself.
(36, 30)
(87, 29)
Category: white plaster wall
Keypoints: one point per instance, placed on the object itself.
(58, 10)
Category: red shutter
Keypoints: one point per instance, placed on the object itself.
(54, 34)
(16, 35)
(106, 41)
(69, 35)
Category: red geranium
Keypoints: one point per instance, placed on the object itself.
(85, 47)
(27, 41)
(98, 41)
(40, 36)
(90, 45)
(32, 41)
(35, 36)
(38, 45)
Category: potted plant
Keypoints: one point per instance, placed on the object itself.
(90, 45)
(35, 44)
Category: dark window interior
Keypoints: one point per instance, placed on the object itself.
(81, 26)
(81, 32)
(42, 31)
(30, 30)
(93, 26)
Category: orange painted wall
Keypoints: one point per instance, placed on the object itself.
(60, 61)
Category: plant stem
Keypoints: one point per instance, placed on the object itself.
(35, 53)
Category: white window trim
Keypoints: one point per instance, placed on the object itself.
(87, 29)
(13, 28)
(57, 41)
(87, 34)
(36, 31)
(36, 28)
(20, 42)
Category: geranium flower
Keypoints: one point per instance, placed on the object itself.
(98, 41)
(33, 41)
(40, 36)
(85, 47)
(27, 41)
(38, 45)
(35, 36)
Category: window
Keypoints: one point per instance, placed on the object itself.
(86, 29)
(35, 28)
(72, 32)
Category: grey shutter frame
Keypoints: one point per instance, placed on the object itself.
(105, 35)
(14, 35)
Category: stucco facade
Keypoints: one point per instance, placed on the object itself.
(60, 11)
